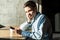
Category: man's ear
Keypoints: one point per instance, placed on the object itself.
(35, 9)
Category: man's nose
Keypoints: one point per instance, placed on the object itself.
(29, 14)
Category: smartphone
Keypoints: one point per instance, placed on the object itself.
(12, 27)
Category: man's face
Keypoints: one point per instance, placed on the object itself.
(29, 12)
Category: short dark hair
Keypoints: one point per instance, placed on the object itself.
(30, 4)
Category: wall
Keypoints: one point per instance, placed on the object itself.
(12, 12)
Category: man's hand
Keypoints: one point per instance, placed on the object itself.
(18, 30)
(29, 17)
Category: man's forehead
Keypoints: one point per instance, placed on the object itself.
(27, 8)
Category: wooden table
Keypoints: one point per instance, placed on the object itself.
(5, 33)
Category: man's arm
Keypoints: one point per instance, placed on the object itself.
(24, 26)
(38, 33)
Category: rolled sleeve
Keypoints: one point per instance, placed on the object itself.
(24, 26)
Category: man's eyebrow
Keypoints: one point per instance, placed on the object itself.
(29, 10)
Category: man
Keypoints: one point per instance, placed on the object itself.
(39, 24)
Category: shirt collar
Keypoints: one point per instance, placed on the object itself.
(37, 15)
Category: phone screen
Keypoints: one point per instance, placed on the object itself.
(12, 27)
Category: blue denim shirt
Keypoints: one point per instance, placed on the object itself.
(36, 26)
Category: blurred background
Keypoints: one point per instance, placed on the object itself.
(13, 14)
(51, 8)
